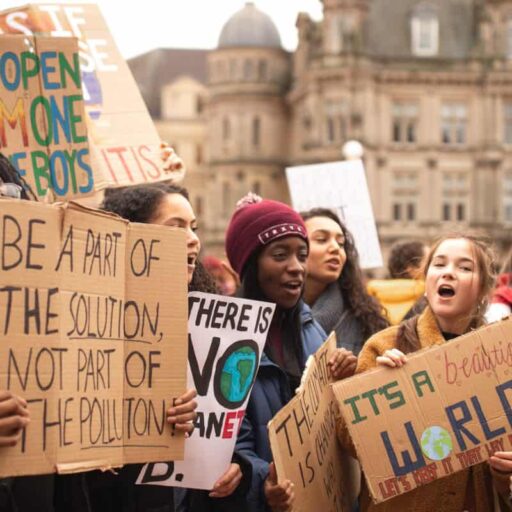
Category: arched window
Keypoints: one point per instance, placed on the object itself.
(226, 129)
(256, 131)
(509, 38)
(248, 70)
(262, 70)
(425, 31)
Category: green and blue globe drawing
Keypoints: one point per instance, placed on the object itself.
(238, 371)
(436, 443)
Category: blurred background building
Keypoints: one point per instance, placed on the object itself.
(424, 86)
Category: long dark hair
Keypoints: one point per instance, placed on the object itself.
(363, 306)
(9, 174)
(407, 337)
(139, 204)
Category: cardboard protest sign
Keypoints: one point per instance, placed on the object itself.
(123, 139)
(42, 118)
(303, 439)
(90, 337)
(226, 339)
(342, 187)
(448, 408)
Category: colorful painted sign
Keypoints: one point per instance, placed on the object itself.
(42, 119)
(125, 146)
(226, 340)
(448, 408)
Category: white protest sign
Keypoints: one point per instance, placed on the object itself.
(226, 340)
(342, 187)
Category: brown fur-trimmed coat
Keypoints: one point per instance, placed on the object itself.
(473, 486)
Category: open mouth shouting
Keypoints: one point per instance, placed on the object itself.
(446, 291)
(191, 261)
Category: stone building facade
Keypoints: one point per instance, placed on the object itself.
(424, 85)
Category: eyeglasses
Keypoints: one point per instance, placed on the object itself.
(10, 190)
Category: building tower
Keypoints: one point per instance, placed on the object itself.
(248, 75)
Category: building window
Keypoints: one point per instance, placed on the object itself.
(199, 154)
(404, 122)
(232, 69)
(262, 70)
(256, 131)
(455, 192)
(397, 211)
(507, 122)
(256, 188)
(507, 197)
(509, 38)
(454, 123)
(330, 130)
(226, 129)
(447, 211)
(461, 212)
(411, 211)
(199, 105)
(336, 121)
(221, 71)
(425, 31)
(248, 70)
(405, 191)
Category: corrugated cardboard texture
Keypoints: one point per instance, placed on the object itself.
(303, 440)
(93, 336)
(448, 408)
(123, 139)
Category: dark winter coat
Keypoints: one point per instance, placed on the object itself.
(271, 392)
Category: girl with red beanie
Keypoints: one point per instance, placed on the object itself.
(267, 245)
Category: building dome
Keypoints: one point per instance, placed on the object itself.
(249, 27)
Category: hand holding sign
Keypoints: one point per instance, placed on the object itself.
(501, 462)
(342, 364)
(280, 497)
(14, 417)
(228, 482)
(393, 358)
(183, 412)
(172, 164)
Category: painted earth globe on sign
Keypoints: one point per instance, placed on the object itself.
(436, 443)
(238, 374)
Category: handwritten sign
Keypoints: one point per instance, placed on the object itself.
(226, 340)
(342, 187)
(42, 117)
(123, 139)
(448, 408)
(90, 337)
(303, 440)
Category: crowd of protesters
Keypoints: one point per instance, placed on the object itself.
(307, 265)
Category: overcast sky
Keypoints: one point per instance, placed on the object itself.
(141, 25)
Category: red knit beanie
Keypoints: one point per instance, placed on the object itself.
(256, 223)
